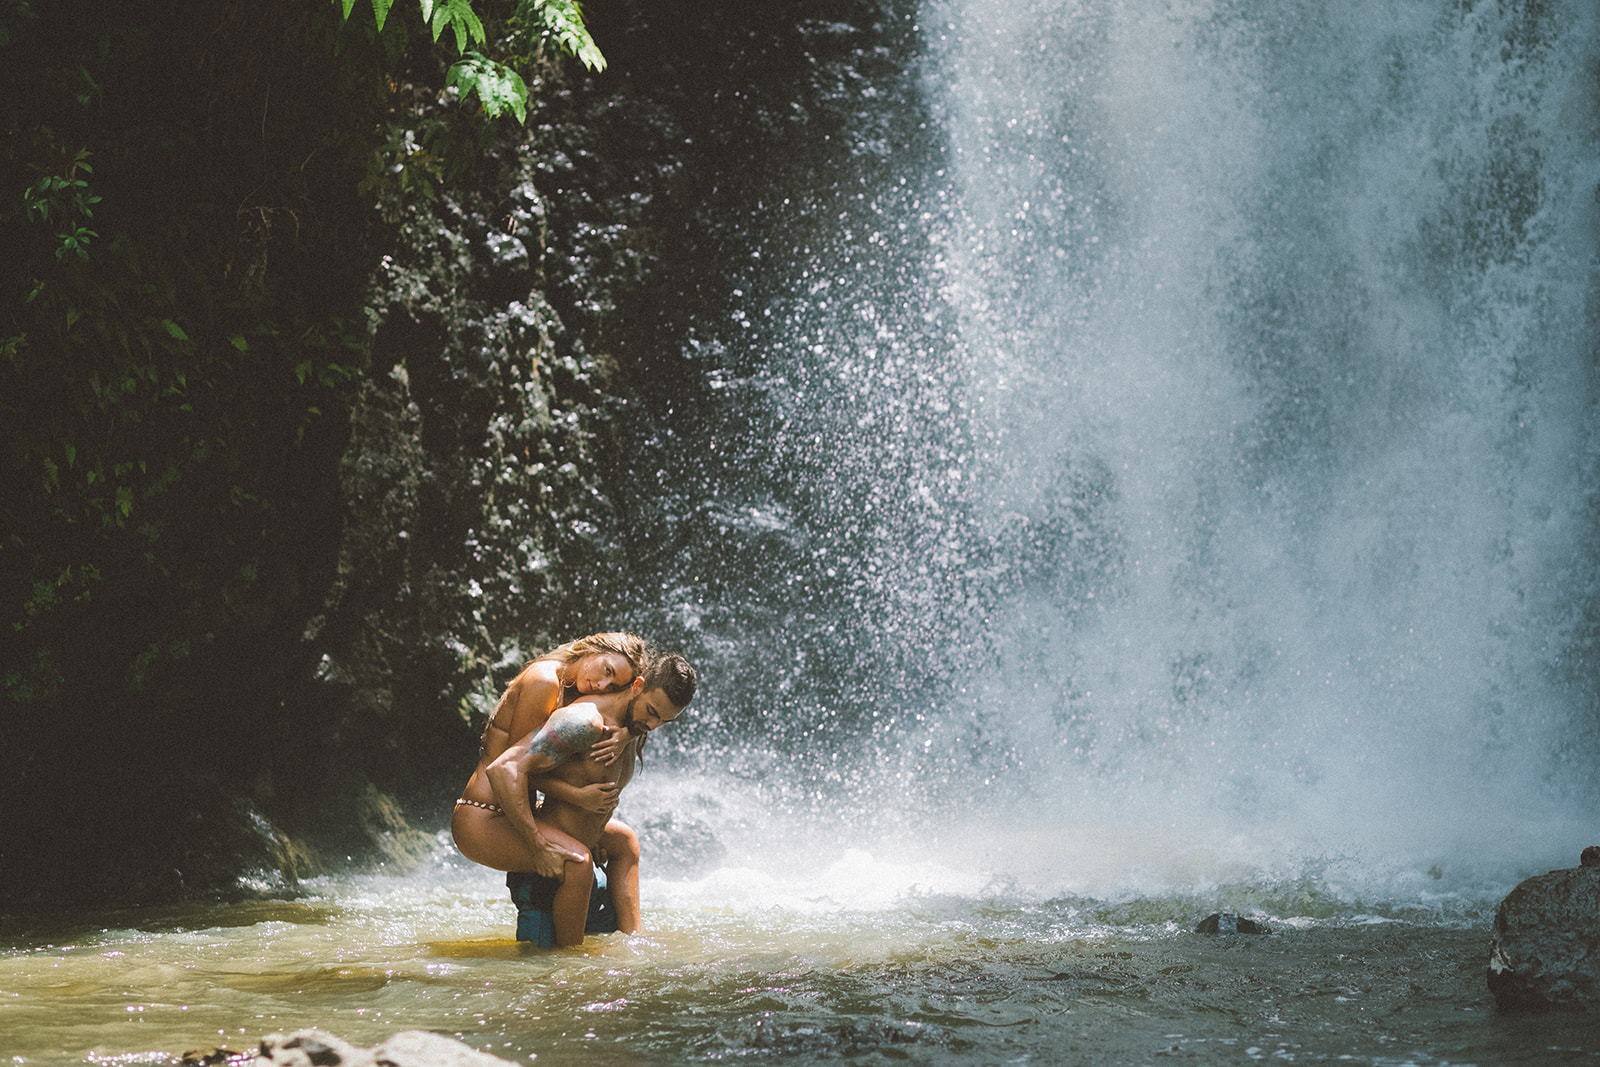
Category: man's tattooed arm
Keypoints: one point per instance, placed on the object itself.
(569, 732)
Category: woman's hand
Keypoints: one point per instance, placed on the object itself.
(607, 749)
(599, 797)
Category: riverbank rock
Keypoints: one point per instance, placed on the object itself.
(318, 1048)
(1546, 950)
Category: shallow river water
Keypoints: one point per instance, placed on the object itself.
(859, 957)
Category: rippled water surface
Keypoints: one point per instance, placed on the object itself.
(860, 959)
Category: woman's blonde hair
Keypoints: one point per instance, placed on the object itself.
(630, 646)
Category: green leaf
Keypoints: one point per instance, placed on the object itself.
(175, 330)
(380, 11)
(349, 6)
(499, 88)
(562, 22)
(237, 341)
(462, 20)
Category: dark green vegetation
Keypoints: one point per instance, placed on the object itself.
(328, 397)
(179, 366)
(214, 480)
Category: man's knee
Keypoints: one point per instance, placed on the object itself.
(622, 843)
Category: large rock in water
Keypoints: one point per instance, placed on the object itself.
(318, 1048)
(1546, 950)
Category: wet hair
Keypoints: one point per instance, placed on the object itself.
(630, 646)
(673, 675)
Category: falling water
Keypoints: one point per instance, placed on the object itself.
(1307, 290)
(1191, 438)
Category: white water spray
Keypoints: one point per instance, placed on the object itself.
(1176, 464)
(1276, 318)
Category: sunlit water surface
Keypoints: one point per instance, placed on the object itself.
(797, 950)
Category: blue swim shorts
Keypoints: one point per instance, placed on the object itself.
(534, 895)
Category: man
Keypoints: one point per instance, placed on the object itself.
(555, 908)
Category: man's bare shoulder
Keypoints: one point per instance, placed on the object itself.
(576, 726)
(577, 716)
(568, 733)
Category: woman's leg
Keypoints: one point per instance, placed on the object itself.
(487, 837)
(621, 846)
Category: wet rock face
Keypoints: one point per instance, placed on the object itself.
(479, 526)
(1546, 952)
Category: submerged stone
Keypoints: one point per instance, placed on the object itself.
(1546, 949)
(317, 1048)
(1227, 922)
(680, 846)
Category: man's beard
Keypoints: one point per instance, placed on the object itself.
(633, 726)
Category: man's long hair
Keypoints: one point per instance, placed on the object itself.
(674, 676)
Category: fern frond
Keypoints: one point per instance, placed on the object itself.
(499, 88)
(562, 22)
(462, 20)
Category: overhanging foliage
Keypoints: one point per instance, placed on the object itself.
(495, 80)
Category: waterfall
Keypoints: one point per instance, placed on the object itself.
(1190, 423)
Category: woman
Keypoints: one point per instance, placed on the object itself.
(599, 663)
